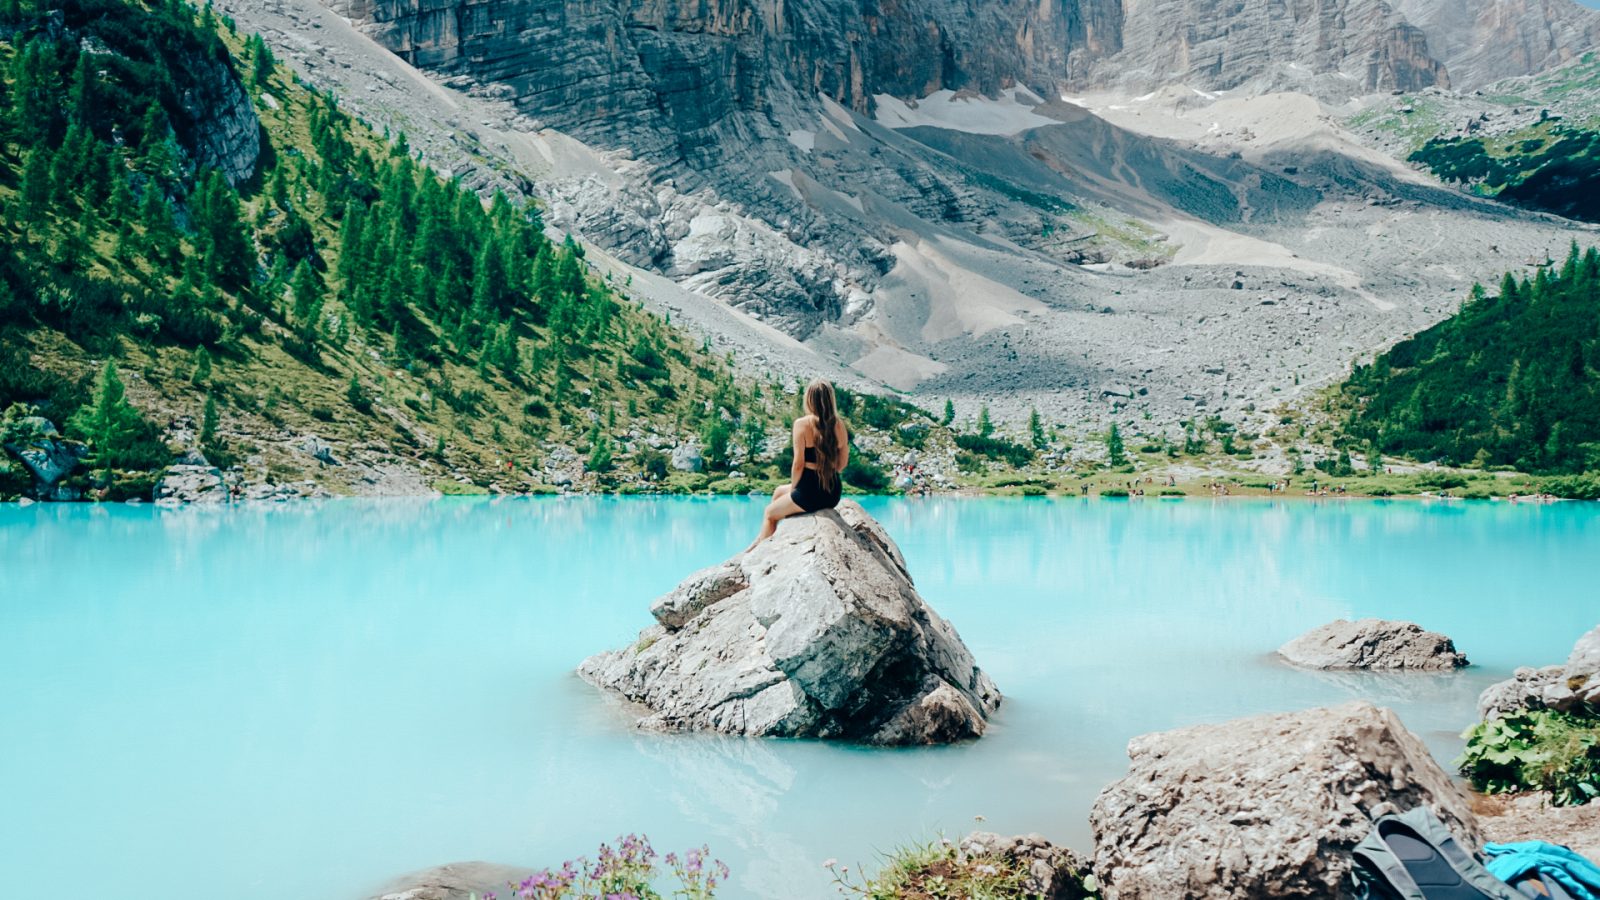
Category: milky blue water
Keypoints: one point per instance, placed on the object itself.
(303, 701)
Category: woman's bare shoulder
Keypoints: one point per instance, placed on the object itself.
(805, 423)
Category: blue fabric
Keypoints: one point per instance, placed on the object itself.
(1579, 876)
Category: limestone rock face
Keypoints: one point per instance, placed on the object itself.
(1372, 644)
(1569, 687)
(1346, 47)
(219, 128)
(818, 632)
(1268, 806)
(1484, 42)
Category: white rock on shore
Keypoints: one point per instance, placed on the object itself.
(818, 632)
(1573, 686)
(1373, 644)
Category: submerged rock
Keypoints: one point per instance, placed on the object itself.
(1268, 806)
(1574, 686)
(453, 881)
(818, 632)
(1372, 644)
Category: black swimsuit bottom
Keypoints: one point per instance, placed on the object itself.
(809, 494)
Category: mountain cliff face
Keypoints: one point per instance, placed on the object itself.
(1484, 42)
(1330, 48)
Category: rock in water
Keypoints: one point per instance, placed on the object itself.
(818, 632)
(1268, 806)
(456, 881)
(1372, 644)
(1568, 688)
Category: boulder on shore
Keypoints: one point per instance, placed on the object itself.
(1268, 806)
(817, 632)
(1373, 644)
(1053, 872)
(1573, 687)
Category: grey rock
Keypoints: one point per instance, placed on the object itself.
(817, 632)
(1054, 873)
(184, 483)
(1372, 644)
(319, 450)
(46, 455)
(1268, 806)
(454, 881)
(700, 590)
(687, 458)
(1569, 687)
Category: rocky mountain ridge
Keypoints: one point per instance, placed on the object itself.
(932, 218)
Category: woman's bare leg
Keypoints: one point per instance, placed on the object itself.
(781, 507)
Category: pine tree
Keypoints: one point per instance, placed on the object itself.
(118, 435)
(36, 184)
(949, 413)
(202, 367)
(1116, 453)
(1036, 430)
(208, 421)
(985, 426)
(307, 299)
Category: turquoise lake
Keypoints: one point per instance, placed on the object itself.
(306, 700)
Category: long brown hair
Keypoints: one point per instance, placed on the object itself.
(820, 403)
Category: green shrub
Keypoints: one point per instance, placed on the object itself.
(912, 434)
(1173, 492)
(1574, 487)
(1014, 454)
(1114, 492)
(1536, 749)
(653, 463)
(864, 473)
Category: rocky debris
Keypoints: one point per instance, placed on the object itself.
(1268, 806)
(47, 456)
(1372, 644)
(1569, 687)
(184, 483)
(687, 458)
(1054, 873)
(1506, 818)
(453, 881)
(295, 490)
(817, 632)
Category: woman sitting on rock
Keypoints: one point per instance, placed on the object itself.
(821, 451)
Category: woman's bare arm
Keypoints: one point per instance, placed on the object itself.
(798, 466)
(844, 445)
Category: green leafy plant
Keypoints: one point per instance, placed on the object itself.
(936, 869)
(1536, 749)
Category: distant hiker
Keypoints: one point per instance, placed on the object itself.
(821, 452)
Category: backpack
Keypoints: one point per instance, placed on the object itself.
(1413, 856)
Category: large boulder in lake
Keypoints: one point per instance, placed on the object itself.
(1268, 806)
(817, 632)
(1572, 687)
(1373, 644)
